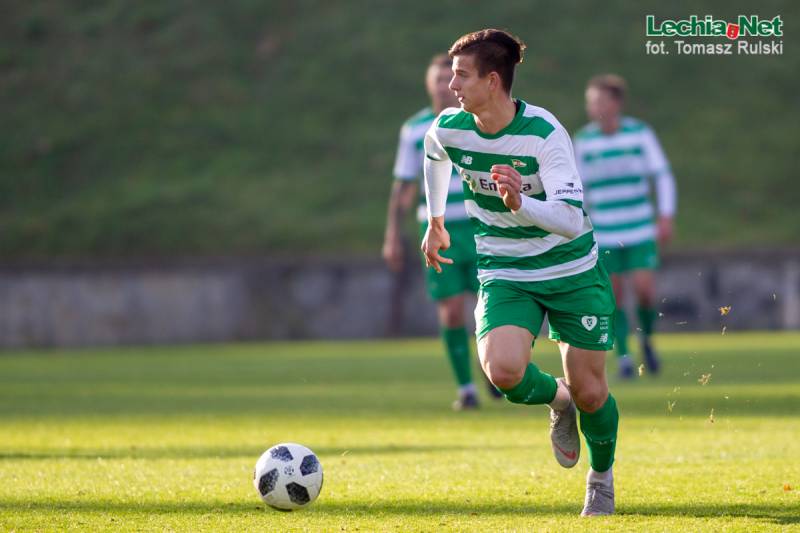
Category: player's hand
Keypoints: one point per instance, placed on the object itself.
(509, 185)
(665, 230)
(392, 253)
(436, 239)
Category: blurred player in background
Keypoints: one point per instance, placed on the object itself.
(450, 289)
(537, 255)
(617, 156)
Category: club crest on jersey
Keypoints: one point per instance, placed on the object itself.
(589, 322)
(518, 164)
(469, 180)
(466, 159)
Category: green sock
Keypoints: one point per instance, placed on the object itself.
(621, 332)
(456, 343)
(535, 388)
(647, 318)
(600, 431)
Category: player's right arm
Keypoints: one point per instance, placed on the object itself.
(437, 169)
(402, 197)
(665, 185)
(406, 173)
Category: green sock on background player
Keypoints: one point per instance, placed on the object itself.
(536, 388)
(456, 342)
(600, 431)
(647, 319)
(621, 332)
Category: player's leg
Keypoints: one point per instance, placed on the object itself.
(615, 262)
(456, 343)
(581, 319)
(644, 261)
(644, 285)
(447, 290)
(599, 417)
(621, 328)
(507, 320)
(472, 286)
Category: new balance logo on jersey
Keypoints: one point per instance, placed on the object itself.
(589, 322)
(466, 159)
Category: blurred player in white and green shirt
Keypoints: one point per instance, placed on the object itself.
(620, 161)
(449, 289)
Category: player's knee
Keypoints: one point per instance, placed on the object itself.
(503, 378)
(451, 312)
(590, 399)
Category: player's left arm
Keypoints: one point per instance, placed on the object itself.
(666, 195)
(562, 211)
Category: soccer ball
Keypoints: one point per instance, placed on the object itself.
(288, 476)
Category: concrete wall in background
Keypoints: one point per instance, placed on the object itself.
(229, 300)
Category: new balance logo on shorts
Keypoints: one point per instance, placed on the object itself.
(590, 322)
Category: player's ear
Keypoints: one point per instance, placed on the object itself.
(492, 80)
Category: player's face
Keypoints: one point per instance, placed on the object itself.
(471, 90)
(600, 105)
(437, 82)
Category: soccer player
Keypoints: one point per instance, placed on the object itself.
(536, 251)
(617, 157)
(449, 289)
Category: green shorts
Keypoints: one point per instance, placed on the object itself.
(462, 275)
(580, 308)
(627, 258)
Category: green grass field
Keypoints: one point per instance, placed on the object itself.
(166, 438)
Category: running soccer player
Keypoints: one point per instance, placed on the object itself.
(617, 157)
(448, 290)
(536, 251)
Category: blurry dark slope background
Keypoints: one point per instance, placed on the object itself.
(192, 128)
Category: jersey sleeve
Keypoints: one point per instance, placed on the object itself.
(558, 171)
(659, 169)
(408, 161)
(438, 169)
(433, 147)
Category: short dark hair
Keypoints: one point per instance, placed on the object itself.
(494, 51)
(610, 83)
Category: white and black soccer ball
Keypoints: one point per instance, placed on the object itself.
(288, 476)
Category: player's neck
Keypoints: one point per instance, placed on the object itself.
(496, 115)
(610, 125)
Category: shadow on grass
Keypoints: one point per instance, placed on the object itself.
(194, 452)
(778, 513)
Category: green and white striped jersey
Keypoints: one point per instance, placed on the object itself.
(537, 145)
(616, 170)
(408, 165)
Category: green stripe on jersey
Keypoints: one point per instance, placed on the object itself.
(521, 232)
(622, 227)
(520, 125)
(424, 115)
(616, 152)
(609, 182)
(524, 164)
(616, 204)
(560, 254)
(592, 131)
(574, 203)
